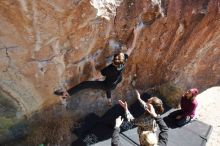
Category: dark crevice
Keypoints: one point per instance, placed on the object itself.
(11, 47)
(7, 54)
(164, 5)
(52, 57)
(95, 55)
(47, 60)
(205, 4)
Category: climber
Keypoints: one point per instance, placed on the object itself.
(149, 139)
(112, 73)
(188, 106)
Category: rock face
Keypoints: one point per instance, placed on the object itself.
(45, 45)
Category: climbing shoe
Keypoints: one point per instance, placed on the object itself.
(58, 92)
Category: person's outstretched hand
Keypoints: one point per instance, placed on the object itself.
(123, 104)
(118, 121)
(137, 94)
(151, 110)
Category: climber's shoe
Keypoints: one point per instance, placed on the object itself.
(58, 92)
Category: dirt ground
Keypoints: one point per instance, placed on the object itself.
(209, 112)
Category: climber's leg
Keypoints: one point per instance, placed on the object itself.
(81, 86)
(85, 85)
(108, 93)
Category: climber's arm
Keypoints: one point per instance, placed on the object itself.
(136, 32)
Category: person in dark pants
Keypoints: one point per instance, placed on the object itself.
(162, 138)
(113, 76)
(112, 73)
(188, 106)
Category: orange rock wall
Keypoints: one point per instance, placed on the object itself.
(45, 45)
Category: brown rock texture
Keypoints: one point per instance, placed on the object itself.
(45, 45)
